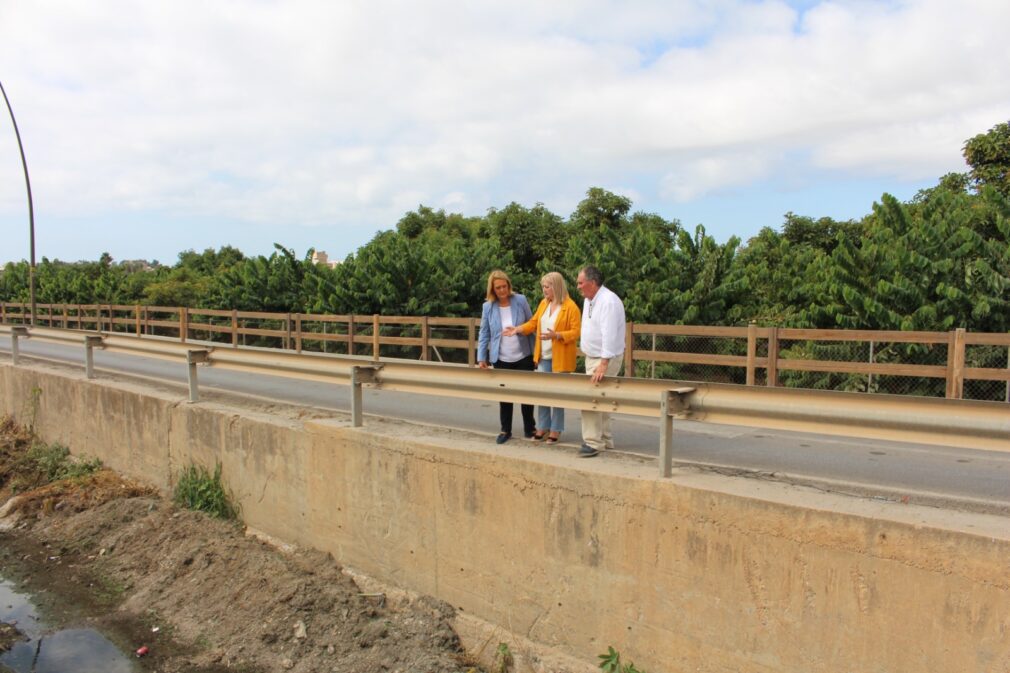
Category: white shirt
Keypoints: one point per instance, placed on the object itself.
(509, 350)
(547, 322)
(603, 325)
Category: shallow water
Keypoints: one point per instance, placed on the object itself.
(71, 650)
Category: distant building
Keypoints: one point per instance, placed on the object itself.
(320, 257)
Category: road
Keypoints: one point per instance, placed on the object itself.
(943, 476)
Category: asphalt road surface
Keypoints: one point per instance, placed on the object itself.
(943, 476)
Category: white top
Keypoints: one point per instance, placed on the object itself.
(603, 325)
(547, 322)
(509, 350)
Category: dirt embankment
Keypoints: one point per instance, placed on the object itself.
(220, 600)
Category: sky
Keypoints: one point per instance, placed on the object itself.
(151, 127)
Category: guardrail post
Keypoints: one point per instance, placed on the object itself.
(234, 328)
(136, 319)
(287, 332)
(665, 435)
(3, 313)
(375, 337)
(359, 375)
(350, 334)
(298, 332)
(90, 341)
(193, 358)
(670, 402)
(752, 331)
(17, 332)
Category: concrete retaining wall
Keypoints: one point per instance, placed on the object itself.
(693, 573)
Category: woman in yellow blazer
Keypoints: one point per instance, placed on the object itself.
(557, 322)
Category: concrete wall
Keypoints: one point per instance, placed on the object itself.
(694, 573)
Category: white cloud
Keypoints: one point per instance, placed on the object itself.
(699, 177)
(315, 113)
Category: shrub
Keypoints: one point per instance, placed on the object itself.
(200, 490)
(45, 463)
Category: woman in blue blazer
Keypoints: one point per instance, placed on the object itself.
(505, 308)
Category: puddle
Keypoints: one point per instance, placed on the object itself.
(80, 650)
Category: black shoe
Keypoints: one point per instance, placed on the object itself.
(586, 451)
(503, 437)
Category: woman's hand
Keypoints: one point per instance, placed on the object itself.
(482, 364)
(549, 335)
(509, 331)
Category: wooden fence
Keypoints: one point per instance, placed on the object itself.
(749, 355)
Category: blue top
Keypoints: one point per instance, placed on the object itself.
(489, 338)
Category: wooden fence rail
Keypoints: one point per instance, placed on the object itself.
(740, 354)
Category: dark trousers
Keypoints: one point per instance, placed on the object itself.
(505, 408)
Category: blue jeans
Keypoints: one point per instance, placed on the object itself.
(549, 418)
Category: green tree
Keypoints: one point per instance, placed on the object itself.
(210, 261)
(921, 268)
(535, 236)
(601, 208)
(988, 156)
(434, 275)
(821, 233)
(415, 223)
(773, 276)
(178, 287)
(272, 284)
(663, 273)
(705, 288)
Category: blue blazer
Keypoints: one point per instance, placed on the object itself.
(489, 338)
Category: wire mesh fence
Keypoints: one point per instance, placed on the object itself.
(927, 384)
(893, 365)
(987, 357)
(653, 354)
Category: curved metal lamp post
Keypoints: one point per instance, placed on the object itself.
(31, 209)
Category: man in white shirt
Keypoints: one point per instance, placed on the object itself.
(602, 341)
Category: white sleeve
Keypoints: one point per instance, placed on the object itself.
(613, 325)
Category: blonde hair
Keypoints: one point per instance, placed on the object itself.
(557, 282)
(497, 274)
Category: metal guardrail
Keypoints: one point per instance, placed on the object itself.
(962, 423)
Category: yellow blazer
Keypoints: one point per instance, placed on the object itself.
(568, 326)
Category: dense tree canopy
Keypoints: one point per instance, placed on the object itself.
(988, 156)
(939, 261)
